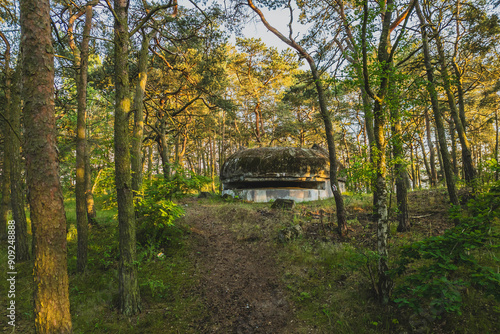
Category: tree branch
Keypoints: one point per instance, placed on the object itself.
(149, 15)
(363, 51)
(10, 126)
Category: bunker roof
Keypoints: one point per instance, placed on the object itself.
(277, 164)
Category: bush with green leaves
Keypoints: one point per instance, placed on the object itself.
(183, 182)
(155, 210)
(437, 270)
(154, 218)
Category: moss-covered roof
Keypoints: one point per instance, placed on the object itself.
(276, 163)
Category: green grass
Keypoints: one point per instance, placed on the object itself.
(328, 283)
(168, 303)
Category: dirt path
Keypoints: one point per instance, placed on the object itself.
(239, 278)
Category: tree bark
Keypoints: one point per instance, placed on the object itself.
(163, 148)
(424, 156)
(16, 183)
(432, 157)
(127, 273)
(412, 165)
(81, 63)
(454, 160)
(398, 156)
(438, 118)
(137, 135)
(441, 174)
(51, 295)
(5, 202)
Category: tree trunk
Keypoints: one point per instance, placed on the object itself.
(398, 156)
(424, 156)
(163, 146)
(432, 158)
(460, 93)
(401, 190)
(367, 107)
(325, 115)
(51, 295)
(339, 201)
(89, 189)
(496, 144)
(150, 162)
(441, 174)
(137, 135)
(454, 161)
(16, 183)
(5, 202)
(469, 171)
(127, 274)
(412, 165)
(438, 118)
(81, 64)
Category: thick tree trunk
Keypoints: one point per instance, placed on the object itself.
(16, 184)
(127, 273)
(51, 296)
(438, 118)
(137, 135)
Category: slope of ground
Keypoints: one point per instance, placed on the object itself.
(239, 279)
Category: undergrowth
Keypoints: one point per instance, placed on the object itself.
(446, 277)
(445, 282)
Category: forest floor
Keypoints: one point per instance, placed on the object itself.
(239, 275)
(226, 271)
(252, 283)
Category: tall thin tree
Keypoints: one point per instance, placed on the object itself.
(325, 115)
(128, 286)
(438, 117)
(81, 56)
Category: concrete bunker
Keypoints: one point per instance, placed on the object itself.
(268, 173)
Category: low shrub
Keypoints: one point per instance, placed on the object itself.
(436, 271)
